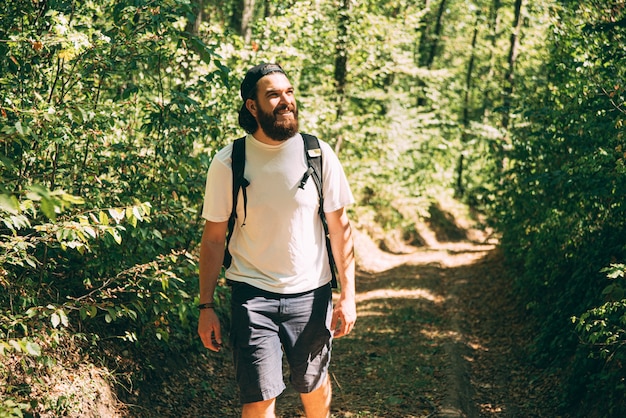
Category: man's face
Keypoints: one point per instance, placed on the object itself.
(277, 111)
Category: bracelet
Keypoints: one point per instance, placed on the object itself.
(210, 305)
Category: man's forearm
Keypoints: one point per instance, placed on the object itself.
(342, 246)
(211, 259)
(210, 266)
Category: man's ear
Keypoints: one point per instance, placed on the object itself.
(251, 106)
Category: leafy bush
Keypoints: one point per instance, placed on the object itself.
(561, 207)
(602, 330)
(110, 113)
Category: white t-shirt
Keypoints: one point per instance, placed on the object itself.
(281, 248)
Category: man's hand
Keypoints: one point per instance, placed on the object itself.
(209, 330)
(344, 317)
(340, 234)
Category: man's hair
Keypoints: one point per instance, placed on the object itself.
(248, 90)
(246, 120)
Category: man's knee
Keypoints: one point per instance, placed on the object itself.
(261, 409)
(317, 403)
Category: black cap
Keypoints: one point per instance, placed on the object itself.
(254, 74)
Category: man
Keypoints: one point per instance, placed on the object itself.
(280, 274)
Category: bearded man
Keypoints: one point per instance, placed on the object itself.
(280, 273)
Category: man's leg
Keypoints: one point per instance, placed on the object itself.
(317, 403)
(257, 352)
(262, 409)
(307, 341)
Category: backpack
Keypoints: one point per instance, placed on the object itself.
(313, 154)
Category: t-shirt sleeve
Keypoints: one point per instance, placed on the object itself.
(218, 189)
(337, 193)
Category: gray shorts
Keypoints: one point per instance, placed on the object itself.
(265, 324)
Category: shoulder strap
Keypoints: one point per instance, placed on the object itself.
(313, 154)
(238, 157)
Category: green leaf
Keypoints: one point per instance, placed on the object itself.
(19, 128)
(206, 54)
(116, 214)
(137, 213)
(115, 234)
(55, 319)
(33, 348)
(36, 192)
(48, 208)
(162, 334)
(74, 200)
(9, 203)
(131, 218)
(112, 312)
(90, 231)
(64, 321)
(103, 218)
(30, 260)
(15, 345)
(4, 348)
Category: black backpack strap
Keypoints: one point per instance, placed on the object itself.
(313, 154)
(238, 164)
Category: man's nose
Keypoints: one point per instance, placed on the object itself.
(285, 97)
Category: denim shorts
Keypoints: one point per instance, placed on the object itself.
(264, 325)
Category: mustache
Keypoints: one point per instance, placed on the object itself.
(284, 107)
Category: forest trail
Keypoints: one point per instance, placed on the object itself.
(439, 334)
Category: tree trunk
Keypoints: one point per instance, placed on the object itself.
(490, 70)
(424, 38)
(192, 29)
(509, 77)
(267, 12)
(193, 26)
(429, 45)
(236, 16)
(460, 187)
(341, 61)
(434, 46)
(246, 20)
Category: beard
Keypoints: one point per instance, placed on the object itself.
(278, 130)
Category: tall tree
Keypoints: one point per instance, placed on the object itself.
(242, 18)
(341, 60)
(247, 17)
(493, 38)
(465, 119)
(509, 78)
(430, 36)
(193, 25)
(429, 42)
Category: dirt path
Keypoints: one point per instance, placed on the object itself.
(438, 335)
(427, 341)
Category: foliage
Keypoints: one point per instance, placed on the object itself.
(602, 327)
(603, 330)
(112, 110)
(561, 206)
(110, 113)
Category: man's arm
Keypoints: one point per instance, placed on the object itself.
(211, 259)
(340, 233)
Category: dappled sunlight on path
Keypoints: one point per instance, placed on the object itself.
(397, 361)
(371, 259)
